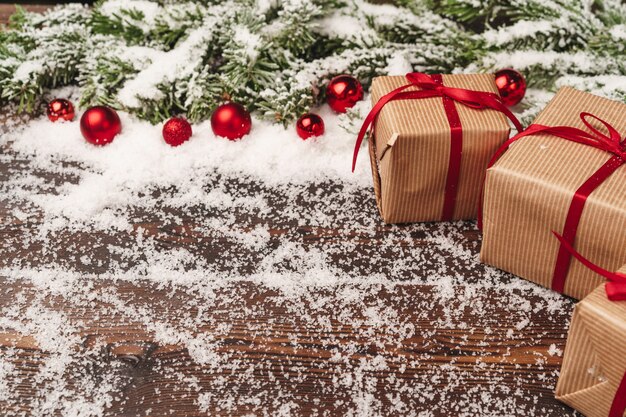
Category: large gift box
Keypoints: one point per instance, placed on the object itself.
(593, 376)
(429, 154)
(566, 174)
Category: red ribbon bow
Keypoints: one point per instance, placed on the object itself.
(615, 288)
(432, 86)
(611, 143)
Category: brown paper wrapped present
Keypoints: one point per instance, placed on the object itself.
(416, 139)
(542, 181)
(593, 376)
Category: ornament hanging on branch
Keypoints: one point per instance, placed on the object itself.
(100, 124)
(60, 109)
(231, 120)
(176, 131)
(343, 92)
(310, 124)
(511, 85)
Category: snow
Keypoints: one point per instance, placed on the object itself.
(345, 27)
(523, 59)
(264, 248)
(269, 226)
(139, 159)
(398, 65)
(26, 70)
(251, 41)
(149, 9)
(166, 67)
(618, 32)
(519, 30)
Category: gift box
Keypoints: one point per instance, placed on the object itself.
(431, 144)
(593, 375)
(564, 173)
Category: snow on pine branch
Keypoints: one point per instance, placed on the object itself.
(187, 57)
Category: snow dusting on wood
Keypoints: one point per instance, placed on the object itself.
(249, 277)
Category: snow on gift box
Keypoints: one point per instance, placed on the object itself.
(565, 173)
(433, 137)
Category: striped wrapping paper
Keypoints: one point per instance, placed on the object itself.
(529, 190)
(595, 357)
(411, 150)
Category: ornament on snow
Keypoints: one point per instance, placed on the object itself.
(310, 124)
(60, 108)
(511, 85)
(343, 92)
(100, 124)
(231, 120)
(176, 131)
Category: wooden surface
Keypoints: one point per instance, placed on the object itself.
(279, 358)
(6, 10)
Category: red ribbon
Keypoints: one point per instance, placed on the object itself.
(615, 288)
(432, 86)
(612, 144)
(618, 408)
(615, 291)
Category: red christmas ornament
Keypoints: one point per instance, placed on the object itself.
(310, 124)
(176, 131)
(231, 120)
(100, 124)
(343, 92)
(511, 85)
(60, 108)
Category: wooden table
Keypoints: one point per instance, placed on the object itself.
(249, 346)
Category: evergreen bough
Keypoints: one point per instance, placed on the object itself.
(156, 59)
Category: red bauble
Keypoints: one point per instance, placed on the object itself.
(511, 85)
(60, 108)
(343, 92)
(176, 131)
(100, 124)
(310, 124)
(231, 120)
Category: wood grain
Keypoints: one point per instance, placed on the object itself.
(289, 358)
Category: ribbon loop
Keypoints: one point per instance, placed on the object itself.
(615, 288)
(614, 134)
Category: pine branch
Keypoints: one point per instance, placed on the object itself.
(41, 52)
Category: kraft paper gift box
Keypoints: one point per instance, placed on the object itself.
(530, 191)
(593, 375)
(411, 149)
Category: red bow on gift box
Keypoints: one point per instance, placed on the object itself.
(611, 143)
(615, 288)
(432, 86)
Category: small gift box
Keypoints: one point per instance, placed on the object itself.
(433, 136)
(593, 376)
(566, 173)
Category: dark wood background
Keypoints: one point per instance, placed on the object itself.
(493, 368)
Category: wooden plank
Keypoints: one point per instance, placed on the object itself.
(249, 349)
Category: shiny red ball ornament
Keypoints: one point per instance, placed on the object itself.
(309, 124)
(176, 131)
(100, 124)
(343, 92)
(511, 85)
(60, 108)
(231, 120)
